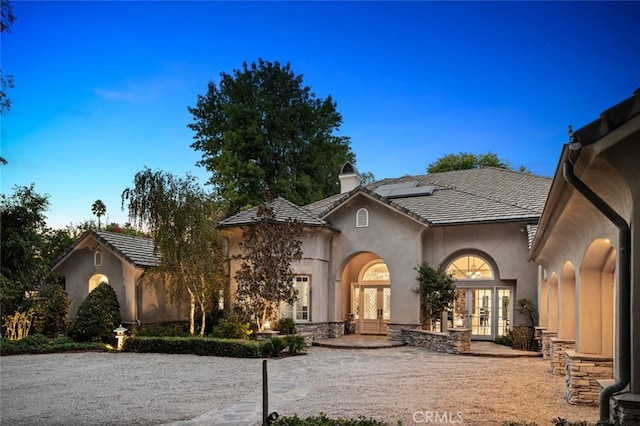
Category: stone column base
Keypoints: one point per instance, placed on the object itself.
(584, 371)
(625, 408)
(546, 344)
(558, 359)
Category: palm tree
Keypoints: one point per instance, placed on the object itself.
(99, 209)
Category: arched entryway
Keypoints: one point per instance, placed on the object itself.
(483, 303)
(368, 293)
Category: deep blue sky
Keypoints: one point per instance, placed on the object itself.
(102, 88)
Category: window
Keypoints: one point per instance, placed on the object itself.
(362, 218)
(299, 311)
(376, 272)
(97, 258)
(470, 267)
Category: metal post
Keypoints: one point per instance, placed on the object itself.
(265, 394)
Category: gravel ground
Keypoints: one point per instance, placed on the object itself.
(406, 384)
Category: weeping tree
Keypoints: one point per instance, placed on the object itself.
(265, 278)
(181, 218)
(436, 291)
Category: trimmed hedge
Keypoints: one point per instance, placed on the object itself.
(323, 420)
(198, 346)
(39, 344)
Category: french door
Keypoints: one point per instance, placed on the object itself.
(372, 308)
(486, 311)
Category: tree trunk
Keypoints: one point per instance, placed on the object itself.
(192, 314)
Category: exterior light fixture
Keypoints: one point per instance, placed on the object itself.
(120, 336)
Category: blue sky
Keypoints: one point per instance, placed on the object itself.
(102, 88)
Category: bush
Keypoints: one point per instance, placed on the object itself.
(286, 326)
(521, 336)
(295, 343)
(323, 420)
(274, 346)
(52, 307)
(39, 344)
(197, 346)
(506, 340)
(98, 315)
(174, 330)
(232, 328)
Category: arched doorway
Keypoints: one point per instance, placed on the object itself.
(482, 304)
(95, 280)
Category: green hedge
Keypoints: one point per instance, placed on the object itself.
(197, 346)
(39, 344)
(323, 420)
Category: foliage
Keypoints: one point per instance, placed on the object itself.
(7, 19)
(265, 278)
(323, 420)
(161, 331)
(559, 421)
(25, 247)
(506, 340)
(99, 209)
(466, 160)
(521, 337)
(197, 346)
(98, 315)
(261, 130)
(126, 229)
(18, 325)
(232, 327)
(182, 220)
(295, 343)
(51, 310)
(529, 310)
(39, 344)
(285, 325)
(436, 291)
(274, 346)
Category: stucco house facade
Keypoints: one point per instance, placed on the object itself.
(123, 262)
(587, 247)
(362, 247)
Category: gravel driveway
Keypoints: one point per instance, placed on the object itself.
(406, 383)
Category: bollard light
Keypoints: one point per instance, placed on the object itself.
(120, 336)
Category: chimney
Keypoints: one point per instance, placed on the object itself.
(349, 178)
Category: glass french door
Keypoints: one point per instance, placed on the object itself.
(486, 311)
(372, 308)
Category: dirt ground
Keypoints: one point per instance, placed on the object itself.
(394, 384)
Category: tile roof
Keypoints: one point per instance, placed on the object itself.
(283, 209)
(136, 250)
(463, 196)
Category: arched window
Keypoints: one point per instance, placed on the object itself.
(376, 272)
(362, 218)
(470, 267)
(95, 280)
(97, 258)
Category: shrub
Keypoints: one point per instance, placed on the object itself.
(39, 344)
(274, 346)
(197, 346)
(295, 343)
(521, 336)
(231, 328)
(286, 326)
(174, 330)
(52, 307)
(98, 315)
(323, 420)
(506, 340)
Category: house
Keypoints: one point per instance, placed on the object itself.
(587, 246)
(362, 247)
(122, 261)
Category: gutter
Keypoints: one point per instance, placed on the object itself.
(623, 294)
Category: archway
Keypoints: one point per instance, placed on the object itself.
(567, 302)
(95, 280)
(595, 299)
(367, 293)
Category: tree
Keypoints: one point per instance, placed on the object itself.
(98, 315)
(6, 21)
(99, 209)
(181, 219)
(262, 130)
(25, 254)
(465, 161)
(436, 291)
(265, 278)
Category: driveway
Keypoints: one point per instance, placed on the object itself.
(405, 383)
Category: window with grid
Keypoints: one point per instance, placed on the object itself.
(299, 311)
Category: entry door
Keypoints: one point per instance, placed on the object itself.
(473, 308)
(376, 309)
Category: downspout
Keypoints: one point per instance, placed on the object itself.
(623, 294)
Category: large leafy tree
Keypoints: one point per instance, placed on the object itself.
(262, 130)
(181, 218)
(466, 160)
(7, 19)
(24, 248)
(266, 278)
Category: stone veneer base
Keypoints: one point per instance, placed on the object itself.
(584, 371)
(322, 330)
(546, 343)
(558, 358)
(625, 408)
(452, 341)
